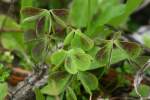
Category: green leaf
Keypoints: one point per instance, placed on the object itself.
(104, 55)
(59, 20)
(30, 12)
(146, 38)
(77, 60)
(43, 25)
(38, 48)
(50, 89)
(36, 18)
(144, 91)
(70, 66)
(95, 63)
(69, 38)
(25, 3)
(38, 94)
(9, 24)
(3, 91)
(56, 84)
(4, 73)
(131, 49)
(110, 13)
(118, 55)
(82, 11)
(82, 61)
(70, 95)
(109, 55)
(29, 34)
(113, 13)
(58, 57)
(50, 98)
(33, 18)
(89, 81)
(13, 41)
(60, 12)
(80, 40)
(93, 51)
(130, 6)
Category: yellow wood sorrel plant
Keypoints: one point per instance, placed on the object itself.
(74, 44)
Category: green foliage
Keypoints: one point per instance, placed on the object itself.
(76, 11)
(130, 6)
(146, 39)
(80, 40)
(70, 95)
(113, 13)
(3, 90)
(25, 3)
(50, 98)
(8, 23)
(36, 24)
(104, 54)
(4, 73)
(143, 90)
(89, 81)
(39, 95)
(80, 51)
(110, 10)
(77, 60)
(75, 43)
(69, 38)
(131, 49)
(56, 84)
(58, 57)
(13, 41)
(6, 57)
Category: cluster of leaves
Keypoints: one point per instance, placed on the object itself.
(74, 43)
(73, 56)
(4, 74)
(6, 57)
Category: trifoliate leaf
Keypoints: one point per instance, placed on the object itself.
(77, 60)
